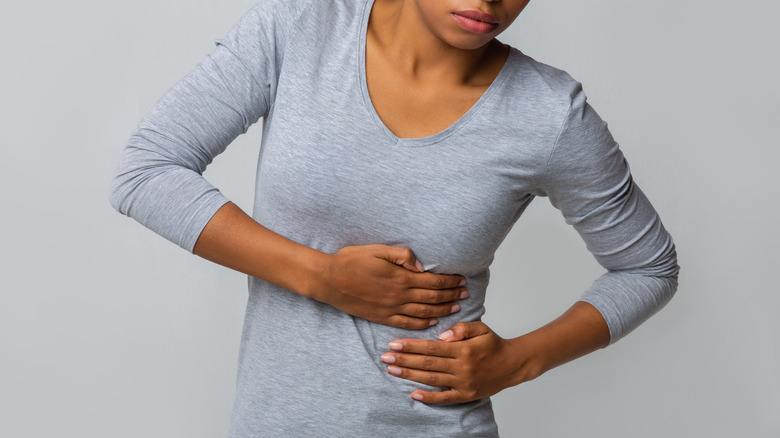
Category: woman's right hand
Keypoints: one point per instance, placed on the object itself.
(380, 283)
(386, 284)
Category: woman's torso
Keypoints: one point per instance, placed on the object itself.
(330, 174)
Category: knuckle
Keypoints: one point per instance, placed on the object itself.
(418, 324)
(432, 380)
(428, 363)
(396, 284)
(402, 279)
(431, 297)
(460, 328)
(405, 323)
(391, 296)
(398, 321)
(440, 310)
(424, 312)
(436, 297)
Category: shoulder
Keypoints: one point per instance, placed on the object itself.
(543, 86)
(535, 102)
(307, 19)
(270, 14)
(289, 11)
(262, 32)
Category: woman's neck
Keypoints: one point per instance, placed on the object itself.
(396, 30)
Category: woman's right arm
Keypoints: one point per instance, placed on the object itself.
(159, 183)
(379, 283)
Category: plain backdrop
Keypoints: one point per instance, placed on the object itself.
(107, 330)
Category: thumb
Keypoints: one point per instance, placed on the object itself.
(465, 330)
(401, 256)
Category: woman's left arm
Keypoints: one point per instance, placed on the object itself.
(589, 181)
(474, 362)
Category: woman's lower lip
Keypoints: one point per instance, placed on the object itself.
(474, 26)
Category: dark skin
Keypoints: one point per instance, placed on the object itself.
(423, 74)
(379, 283)
(413, 102)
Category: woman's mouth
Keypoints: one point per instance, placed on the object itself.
(476, 21)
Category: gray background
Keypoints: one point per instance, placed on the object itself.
(108, 330)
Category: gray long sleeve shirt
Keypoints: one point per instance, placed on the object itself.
(331, 174)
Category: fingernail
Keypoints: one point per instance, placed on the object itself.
(462, 282)
(388, 358)
(396, 346)
(394, 370)
(464, 294)
(433, 322)
(419, 266)
(417, 397)
(455, 308)
(446, 335)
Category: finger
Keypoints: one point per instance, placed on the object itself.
(464, 330)
(429, 280)
(410, 323)
(439, 397)
(439, 296)
(432, 378)
(419, 362)
(401, 256)
(429, 310)
(424, 347)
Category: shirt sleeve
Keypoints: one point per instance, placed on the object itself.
(159, 178)
(590, 182)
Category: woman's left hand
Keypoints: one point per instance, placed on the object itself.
(470, 359)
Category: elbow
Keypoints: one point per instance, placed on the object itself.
(660, 276)
(140, 163)
(116, 197)
(117, 191)
(663, 264)
(667, 265)
(135, 169)
(125, 182)
(666, 270)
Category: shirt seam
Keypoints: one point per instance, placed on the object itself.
(547, 166)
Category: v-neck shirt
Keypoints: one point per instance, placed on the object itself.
(450, 130)
(330, 175)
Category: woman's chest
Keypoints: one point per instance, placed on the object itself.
(331, 175)
(338, 182)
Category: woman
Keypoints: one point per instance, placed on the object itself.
(401, 142)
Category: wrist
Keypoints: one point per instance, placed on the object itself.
(316, 279)
(527, 357)
(579, 331)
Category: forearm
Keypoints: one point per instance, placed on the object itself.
(579, 331)
(474, 362)
(376, 282)
(235, 240)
